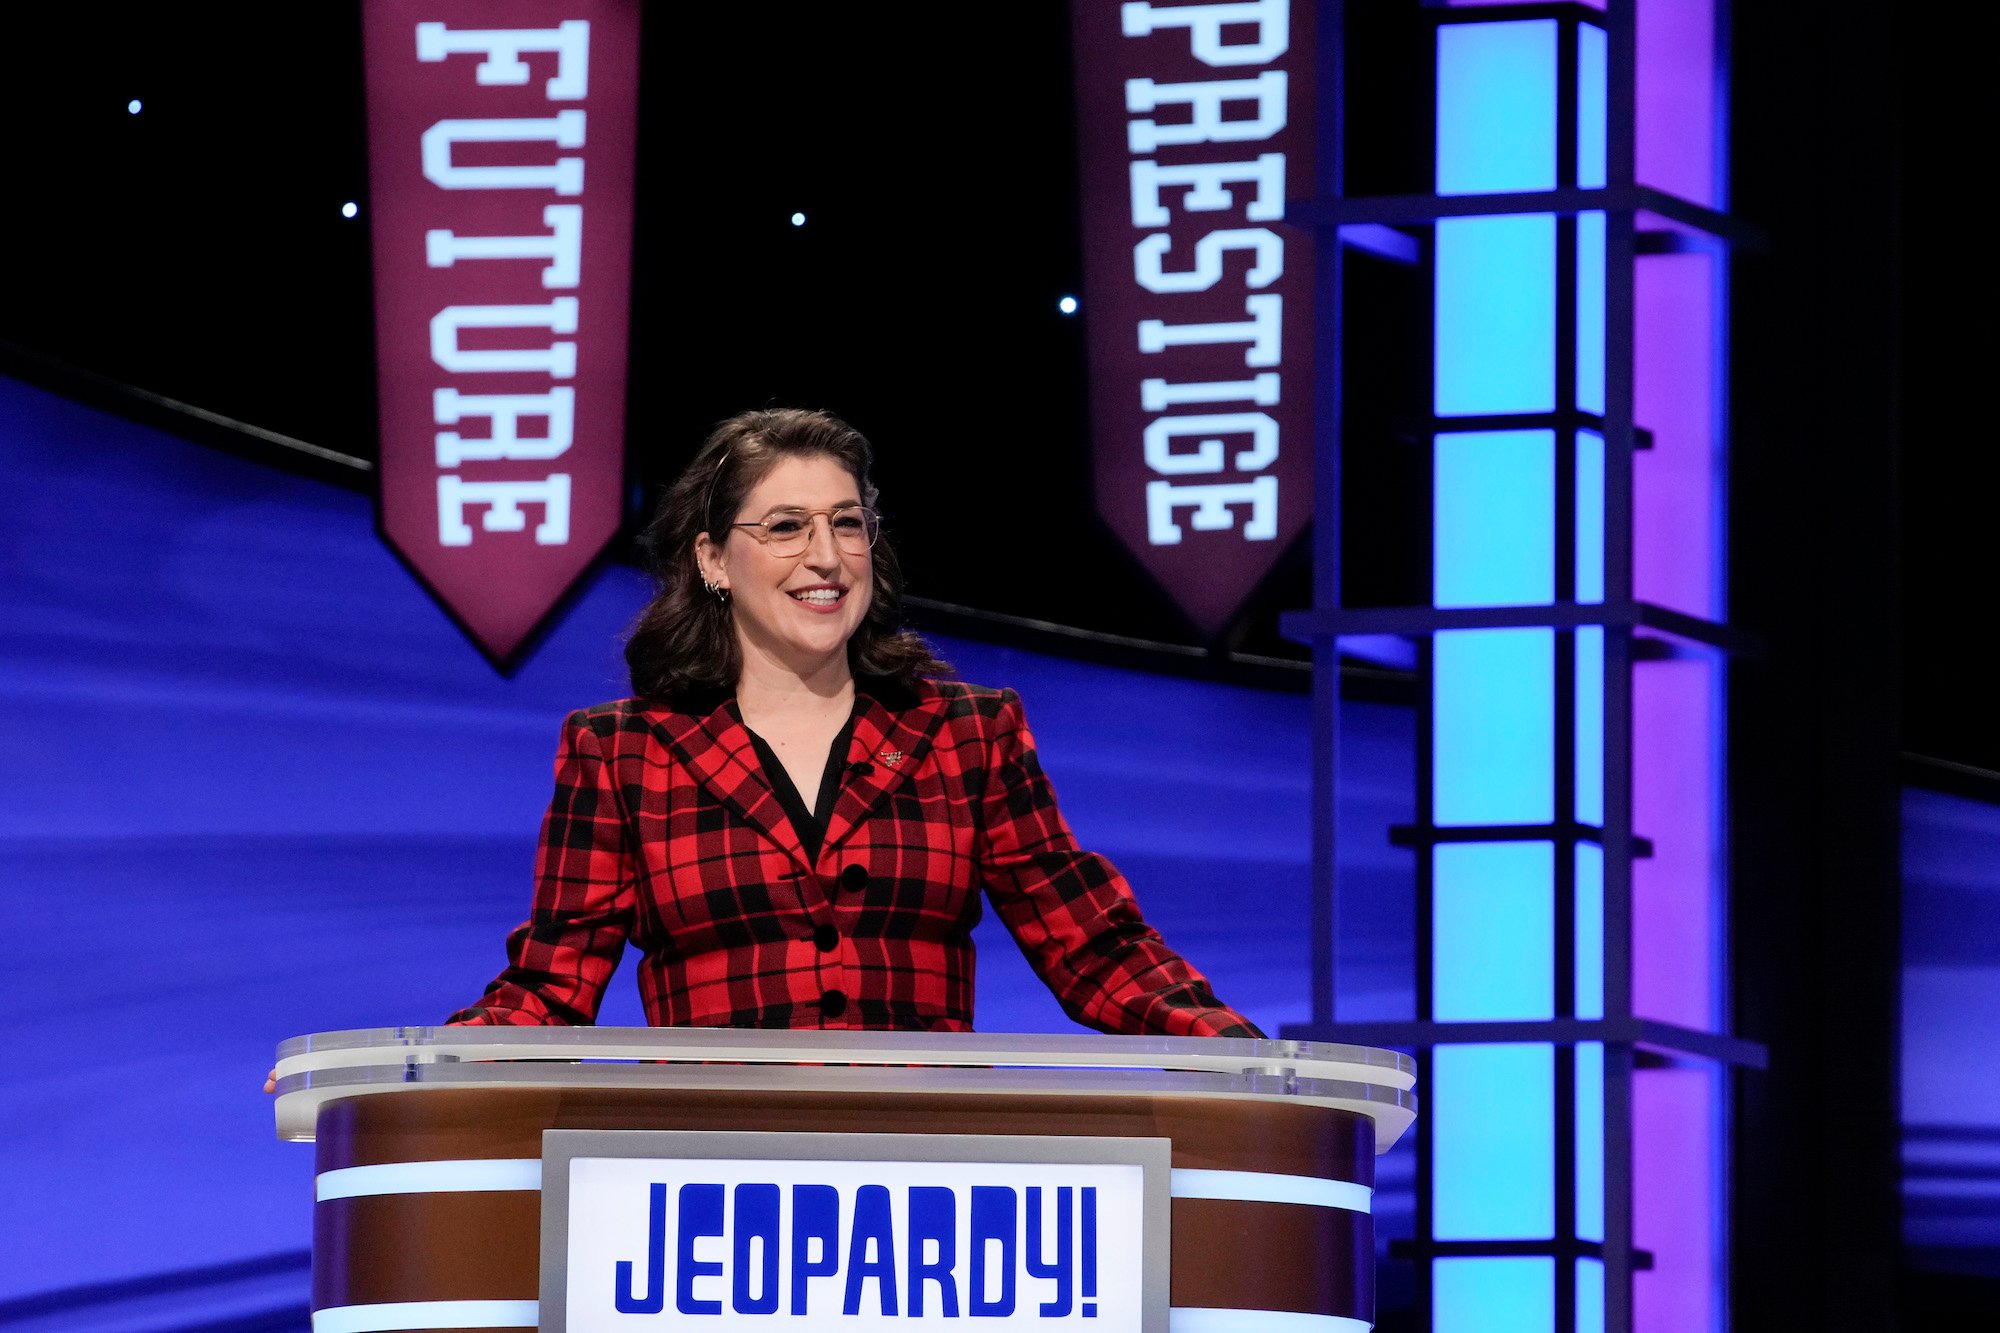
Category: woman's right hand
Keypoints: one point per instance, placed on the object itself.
(271, 1081)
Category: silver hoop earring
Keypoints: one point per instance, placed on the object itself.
(715, 590)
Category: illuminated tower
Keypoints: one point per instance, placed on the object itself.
(1570, 1007)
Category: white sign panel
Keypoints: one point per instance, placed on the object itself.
(919, 1234)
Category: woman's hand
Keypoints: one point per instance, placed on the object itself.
(271, 1081)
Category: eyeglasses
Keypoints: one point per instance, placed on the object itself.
(786, 532)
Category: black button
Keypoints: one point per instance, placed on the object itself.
(827, 938)
(861, 768)
(853, 878)
(833, 1004)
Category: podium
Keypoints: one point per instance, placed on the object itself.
(658, 1179)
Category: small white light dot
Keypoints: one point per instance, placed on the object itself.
(798, 219)
(1067, 305)
(350, 209)
(134, 106)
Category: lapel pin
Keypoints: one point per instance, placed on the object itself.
(891, 757)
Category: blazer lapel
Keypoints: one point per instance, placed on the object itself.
(891, 741)
(716, 751)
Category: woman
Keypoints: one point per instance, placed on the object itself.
(795, 816)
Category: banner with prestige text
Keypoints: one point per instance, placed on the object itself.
(500, 144)
(1195, 124)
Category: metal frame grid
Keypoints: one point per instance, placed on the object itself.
(1628, 1040)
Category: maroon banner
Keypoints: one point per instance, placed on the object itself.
(500, 146)
(1196, 124)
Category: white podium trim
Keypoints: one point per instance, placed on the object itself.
(526, 1314)
(462, 1177)
(1272, 1187)
(1188, 1319)
(426, 1314)
(525, 1173)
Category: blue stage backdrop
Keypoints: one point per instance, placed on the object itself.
(258, 786)
(1951, 1033)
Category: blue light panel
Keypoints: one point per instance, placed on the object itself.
(1496, 107)
(1493, 1143)
(1589, 1296)
(1589, 516)
(1590, 1141)
(1494, 1295)
(1493, 726)
(1589, 930)
(1493, 937)
(1495, 315)
(1590, 725)
(1590, 312)
(1494, 519)
(1591, 106)
(1590, 174)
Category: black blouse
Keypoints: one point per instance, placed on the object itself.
(810, 825)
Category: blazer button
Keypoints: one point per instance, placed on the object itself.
(833, 1004)
(854, 878)
(826, 938)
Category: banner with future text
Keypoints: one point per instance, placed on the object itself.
(1195, 122)
(500, 144)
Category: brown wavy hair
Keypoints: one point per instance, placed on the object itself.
(684, 643)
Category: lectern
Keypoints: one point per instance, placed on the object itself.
(653, 1180)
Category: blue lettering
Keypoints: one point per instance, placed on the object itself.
(815, 1217)
(993, 1220)
(1061, 1269)
(871, 1224)
(655, 1298)
(701, 1216)
(933, 1217)
(756, 1219)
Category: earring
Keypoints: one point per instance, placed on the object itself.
(715, 590)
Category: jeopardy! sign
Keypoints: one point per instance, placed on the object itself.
(1196, 124)
(826, 1241)
(500, 142)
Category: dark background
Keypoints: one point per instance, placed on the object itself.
(197, 250)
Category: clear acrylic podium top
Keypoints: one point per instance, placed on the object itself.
(316, 1069)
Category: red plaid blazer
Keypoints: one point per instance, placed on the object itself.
(664, 832)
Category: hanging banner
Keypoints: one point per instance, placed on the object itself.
(1196, 124)
(500, 146)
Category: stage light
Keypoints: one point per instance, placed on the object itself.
(1067, 305)
(350, 209)
(134, 106)
(798, 219)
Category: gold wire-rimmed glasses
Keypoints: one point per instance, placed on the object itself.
(788, 531)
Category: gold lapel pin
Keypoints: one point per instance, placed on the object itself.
(891, 757)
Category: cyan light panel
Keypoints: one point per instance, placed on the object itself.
(1492, 1114)
(1589, 930)
(1590, 1141)
(1589, 516)
(1493, 529)
(1493, 726)
(1590, 312)
(1496, 107)
(1494, 325)
(1592, 106)
(1588, 645)
(1589, 1296)
(1493, 931)
(1494, 1295)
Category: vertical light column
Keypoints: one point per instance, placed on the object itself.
(1496, 356)
(1573, 1035)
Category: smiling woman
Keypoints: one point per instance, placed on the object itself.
(796, 816)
